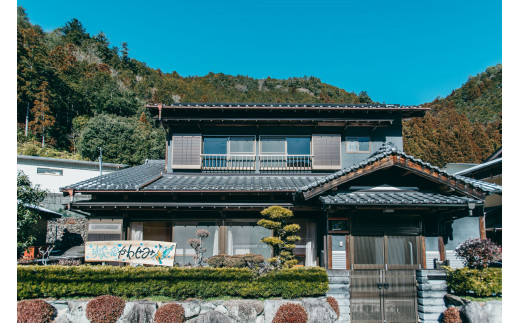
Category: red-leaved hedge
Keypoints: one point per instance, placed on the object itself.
(334, 304)
(291, 313)
(35, 311)
(451, 315)
(170, 313)
(105, 309)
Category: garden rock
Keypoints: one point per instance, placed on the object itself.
(62, 308)
(191, 308)
(244, 311)
(493, 310)
(211, 317)
(138, 312)
(450, 299)
(473, 313)
(206, 307)
(222, 309)
(78, 312)
(318, 311)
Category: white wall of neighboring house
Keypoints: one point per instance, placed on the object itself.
(51, 174)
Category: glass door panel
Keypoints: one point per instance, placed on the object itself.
(368, 252)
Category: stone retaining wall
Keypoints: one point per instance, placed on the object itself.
(339, 288)
(431, 288)
(75, 226)
(250, 311)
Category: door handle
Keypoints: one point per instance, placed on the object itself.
(386, 285)
(379, 285)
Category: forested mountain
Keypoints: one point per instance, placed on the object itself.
(68, 79)
(464, 127)
(82, 93)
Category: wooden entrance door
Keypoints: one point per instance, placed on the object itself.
(383, 285)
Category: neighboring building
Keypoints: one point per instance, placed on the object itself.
(53, 173)
(490, 171)
(362, 204)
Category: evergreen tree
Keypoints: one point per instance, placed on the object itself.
(27, 218)
(284, 236)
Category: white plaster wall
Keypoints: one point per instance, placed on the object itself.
(71, 175)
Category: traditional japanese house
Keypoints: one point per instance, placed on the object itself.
(362, 203)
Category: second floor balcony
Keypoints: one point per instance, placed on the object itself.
(278, 162)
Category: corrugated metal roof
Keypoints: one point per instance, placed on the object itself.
(412, 198)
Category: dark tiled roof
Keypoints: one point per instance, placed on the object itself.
(388, 149)
(126, 179)
(148, 177)
(288, 105)
(203, 182)
(395, 198)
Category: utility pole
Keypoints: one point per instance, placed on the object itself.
(100, 160)
(27, 120)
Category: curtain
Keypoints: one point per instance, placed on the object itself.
(136, 231)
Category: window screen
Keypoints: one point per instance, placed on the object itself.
(273, 145)
(49, 171)
(358, 144)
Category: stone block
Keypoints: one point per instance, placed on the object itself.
(430, 294)
(493, 310)
(437, 286)
(430, 301)
(211, 317)
(318, 310)
(77, 312)
(244, 310)
(191, 308)
(450, 299)
(138, 312)
(473, 313)
(431, 309)
(430, 316)
(338, 288)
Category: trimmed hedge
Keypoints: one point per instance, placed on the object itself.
(178, 283)
(481, 282)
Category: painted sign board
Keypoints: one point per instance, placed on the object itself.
(158, 253)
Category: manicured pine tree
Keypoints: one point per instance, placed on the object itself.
(284, 236)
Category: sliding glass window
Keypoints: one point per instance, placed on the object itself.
(285, 152)
(222, 152)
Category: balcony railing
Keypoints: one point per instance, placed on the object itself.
(250, 162)
(228, 162)
(285, 162)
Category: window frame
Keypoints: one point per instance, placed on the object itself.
(51, 173)
(228, 145)
(348, 139)
(260, 153)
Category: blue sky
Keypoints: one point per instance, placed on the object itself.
(406, 52)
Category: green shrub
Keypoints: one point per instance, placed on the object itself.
(480, 282)
(237, 261)
(105, 309)
(179, 283)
